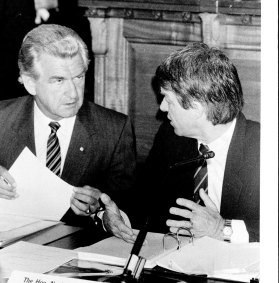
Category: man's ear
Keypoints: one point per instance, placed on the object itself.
(29, 84)
(200, 108)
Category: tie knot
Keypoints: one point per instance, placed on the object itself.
(54, 126)
(203, 148)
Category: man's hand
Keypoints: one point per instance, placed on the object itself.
(85, 200)
(113, 221)
(202, 220)
(7, 185)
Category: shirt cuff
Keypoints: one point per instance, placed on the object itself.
(240, 234)
(122, 213)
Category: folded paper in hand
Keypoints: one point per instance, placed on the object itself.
(37, 187)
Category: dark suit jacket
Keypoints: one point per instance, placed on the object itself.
(107, 162)
(240, 192)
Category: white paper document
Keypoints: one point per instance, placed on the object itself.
(28, 257)
(22, 229)
(216, 259)
(116, 251)
(9, 222)
(42, 194)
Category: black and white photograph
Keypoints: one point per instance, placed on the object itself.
(138, 141)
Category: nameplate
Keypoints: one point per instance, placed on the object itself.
(29, 277)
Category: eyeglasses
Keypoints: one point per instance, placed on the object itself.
(172, 241)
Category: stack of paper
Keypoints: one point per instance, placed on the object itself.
(208, 256)
(216, 259)
(27, 257)
(116, 251)
(14, 227)
(23, 256)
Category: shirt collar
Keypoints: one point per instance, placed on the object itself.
(43, 120)
(223, 141)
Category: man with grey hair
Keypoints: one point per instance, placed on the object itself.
(88, 146)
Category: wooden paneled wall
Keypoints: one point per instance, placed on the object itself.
(130, 39)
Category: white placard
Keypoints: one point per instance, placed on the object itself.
(28, 277)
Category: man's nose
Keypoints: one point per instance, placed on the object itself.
(164, 106)
(72, 89)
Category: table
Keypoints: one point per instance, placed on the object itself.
(69, 237)
(65, 236)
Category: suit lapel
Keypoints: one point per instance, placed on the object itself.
(80, 149)
(23, 129)
(232, 185)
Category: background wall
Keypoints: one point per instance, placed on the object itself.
(130, 39)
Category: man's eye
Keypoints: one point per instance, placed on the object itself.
(57, 81)
(80, 77)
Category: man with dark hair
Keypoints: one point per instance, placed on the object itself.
(219, 196)
(88, 146)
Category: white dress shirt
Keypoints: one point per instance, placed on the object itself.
(42, 131)
(64, 133)
(216, 169)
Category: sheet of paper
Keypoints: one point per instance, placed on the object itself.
(13, 235)
(41, 193)
(9, 222)
(24, 256)
(28, 277)
(215, 258)
(82, 268)
(116, 251)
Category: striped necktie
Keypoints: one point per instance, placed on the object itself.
(53, 160)
(200, 176)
